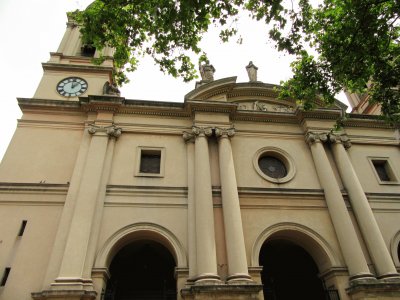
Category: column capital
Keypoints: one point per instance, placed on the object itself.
(224, 132)
(188, 137)
(313, 137)
(202, 131)
(340, 138)
(111, 131)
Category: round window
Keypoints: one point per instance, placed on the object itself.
(274, 164)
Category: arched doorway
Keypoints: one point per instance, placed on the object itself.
(289, 272)
(142, 270)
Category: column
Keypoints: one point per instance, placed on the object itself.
(237, 262)
(205, 235)
(345, 232)
(189, 139)
(76, 249)
(363, 212)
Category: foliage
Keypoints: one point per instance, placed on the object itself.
(350, 44)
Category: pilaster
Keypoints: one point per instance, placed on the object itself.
(74, 252)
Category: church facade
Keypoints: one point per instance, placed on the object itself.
(232, 194)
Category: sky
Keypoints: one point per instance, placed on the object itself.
(31, 29)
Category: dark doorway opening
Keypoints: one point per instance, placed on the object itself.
(142, 270)
(289, 272)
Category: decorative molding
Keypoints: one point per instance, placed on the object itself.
(312, 137)
(224, 132)
(188, 137)
(202, 131)
(111, 131)
(339, 138)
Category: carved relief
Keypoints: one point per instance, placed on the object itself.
(282, 108)
(111, 131)
(260, 106)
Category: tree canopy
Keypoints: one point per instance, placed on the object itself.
(338, 44)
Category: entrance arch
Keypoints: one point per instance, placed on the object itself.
(143, 269)
(289, 272)
(291, 240)
(151, 242)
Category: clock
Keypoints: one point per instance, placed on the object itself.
(72, 87)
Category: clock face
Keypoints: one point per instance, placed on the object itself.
(72, 86)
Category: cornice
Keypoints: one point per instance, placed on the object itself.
(319, 113)
(284, 192)
(267, 116)
(367, 121)
(210, 106)
(94, 103)
(37, 103)
(76, 68)
(146, 191)
(213, 88)
(11, 187)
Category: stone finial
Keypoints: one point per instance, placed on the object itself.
(252, 72)
(207, 72)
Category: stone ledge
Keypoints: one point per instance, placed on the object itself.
(376, 290)
(249, 290)
(65, 295)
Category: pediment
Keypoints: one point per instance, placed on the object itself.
(250, 96)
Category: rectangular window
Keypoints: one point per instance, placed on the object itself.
(22, 228)
(150, 162)
(5, 276)
(383, 170)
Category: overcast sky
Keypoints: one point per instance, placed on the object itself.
(30, 29)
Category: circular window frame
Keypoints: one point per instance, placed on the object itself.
(280, 154)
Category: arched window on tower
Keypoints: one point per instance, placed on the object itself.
(88, 50)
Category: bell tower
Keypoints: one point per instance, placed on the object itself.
(70, 72)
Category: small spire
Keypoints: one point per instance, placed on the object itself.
(252, 72)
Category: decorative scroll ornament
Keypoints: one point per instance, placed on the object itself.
(312, 137)
(111, 131)
(340, 138)
(224, 132)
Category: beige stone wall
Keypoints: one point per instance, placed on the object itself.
(44, 152)
(27, 255)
